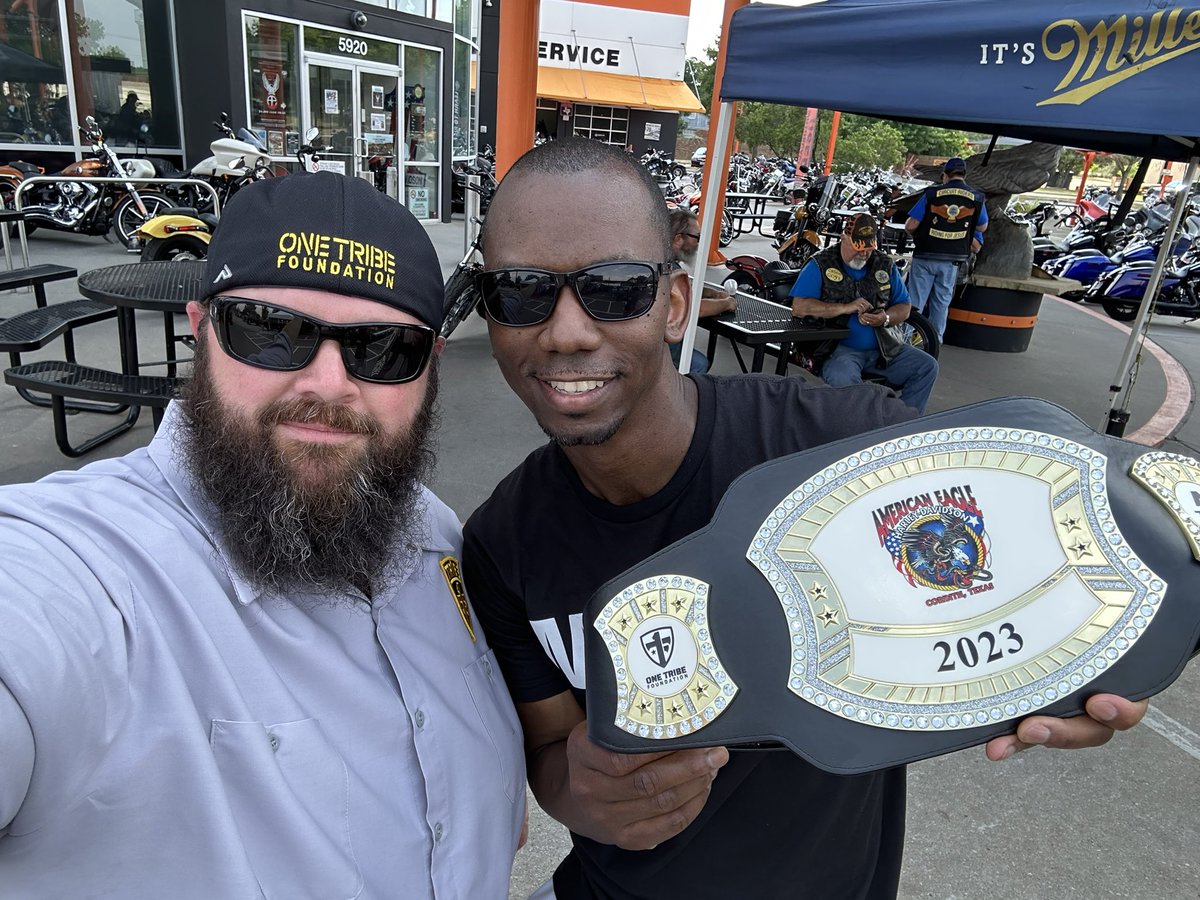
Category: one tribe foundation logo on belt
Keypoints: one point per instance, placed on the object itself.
(937, 540)
(309, 251)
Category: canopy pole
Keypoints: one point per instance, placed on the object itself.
(1118, 416)
(708, 234)
(716, 162)
(833, 133)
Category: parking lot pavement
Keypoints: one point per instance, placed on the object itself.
(1115, 822)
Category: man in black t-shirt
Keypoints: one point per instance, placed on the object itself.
(581, 308)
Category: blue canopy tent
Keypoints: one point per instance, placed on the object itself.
(1115, 75)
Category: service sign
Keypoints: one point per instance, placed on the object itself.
(903, 596)
(611, 39)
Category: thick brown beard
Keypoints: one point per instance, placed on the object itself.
(303, 516)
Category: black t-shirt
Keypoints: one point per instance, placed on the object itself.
(774, 825)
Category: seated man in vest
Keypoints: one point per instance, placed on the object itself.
(856, 280)
(943, 223)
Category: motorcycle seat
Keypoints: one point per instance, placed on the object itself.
(181, 211)
(165, 169)
(778, 271)
(208, 219)
(29, 169)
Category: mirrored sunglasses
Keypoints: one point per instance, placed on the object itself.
(608, 291)
(279, 339)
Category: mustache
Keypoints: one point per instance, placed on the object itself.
(316, 412)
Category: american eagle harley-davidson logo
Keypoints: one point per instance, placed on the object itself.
(937, 540)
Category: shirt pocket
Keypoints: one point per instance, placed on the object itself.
(495, 710)
(288, 792)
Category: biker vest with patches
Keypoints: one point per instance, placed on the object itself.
(951, 213)
(838, 287)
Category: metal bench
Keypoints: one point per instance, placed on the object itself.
(63, 379)
(34, 329)
(35, 277)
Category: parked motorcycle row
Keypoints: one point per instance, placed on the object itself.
(1113, 263)
(184, 232)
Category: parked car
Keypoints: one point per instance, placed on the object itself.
(698, 157)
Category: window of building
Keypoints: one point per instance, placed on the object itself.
(33, 77)
(422, 101)
(124, 69)
(120, 61)
(608, 124)
(274, 83)
(464, 102)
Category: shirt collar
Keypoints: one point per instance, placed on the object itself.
(166, 451)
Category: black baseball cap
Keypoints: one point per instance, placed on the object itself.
(327, 232)
(861, 230)
(955, 164)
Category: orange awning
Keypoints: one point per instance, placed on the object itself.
(607, 89)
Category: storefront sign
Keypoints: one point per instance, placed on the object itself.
(350, 46)
(597, 38)
(331, 165)
(331, 102)
(653, 131)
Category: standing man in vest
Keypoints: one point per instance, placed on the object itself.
(943, 223)
(856, 280)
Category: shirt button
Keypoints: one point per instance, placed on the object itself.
(274, 739)
(487, 666)
(437, 832)
(420, 718)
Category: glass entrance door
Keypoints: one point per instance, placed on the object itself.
(354, 108)
(378, 132)
(331, 102)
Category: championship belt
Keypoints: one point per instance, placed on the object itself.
(907, 592)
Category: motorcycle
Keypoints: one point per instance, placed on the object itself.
(1120, 291)
(1096, 234)
(183, 233)
(1085, 266)
(95, 209)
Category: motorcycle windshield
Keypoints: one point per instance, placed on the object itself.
(250, 137)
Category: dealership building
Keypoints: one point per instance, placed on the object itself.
(400, 90)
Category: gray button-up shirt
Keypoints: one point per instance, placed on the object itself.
(168, 731)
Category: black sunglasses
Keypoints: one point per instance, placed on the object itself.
(609, 291)
(279, 339)
(694, 237)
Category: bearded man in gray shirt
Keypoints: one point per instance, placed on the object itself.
(240, 662)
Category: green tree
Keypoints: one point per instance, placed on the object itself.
(1120, 165)
(879, 144)
(699, 74)
(926, 140)
(770, 125)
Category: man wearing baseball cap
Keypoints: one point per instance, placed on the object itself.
(857, 281)
(240, 662)
(943, 223)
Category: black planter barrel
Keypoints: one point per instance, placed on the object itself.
(998, 314)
